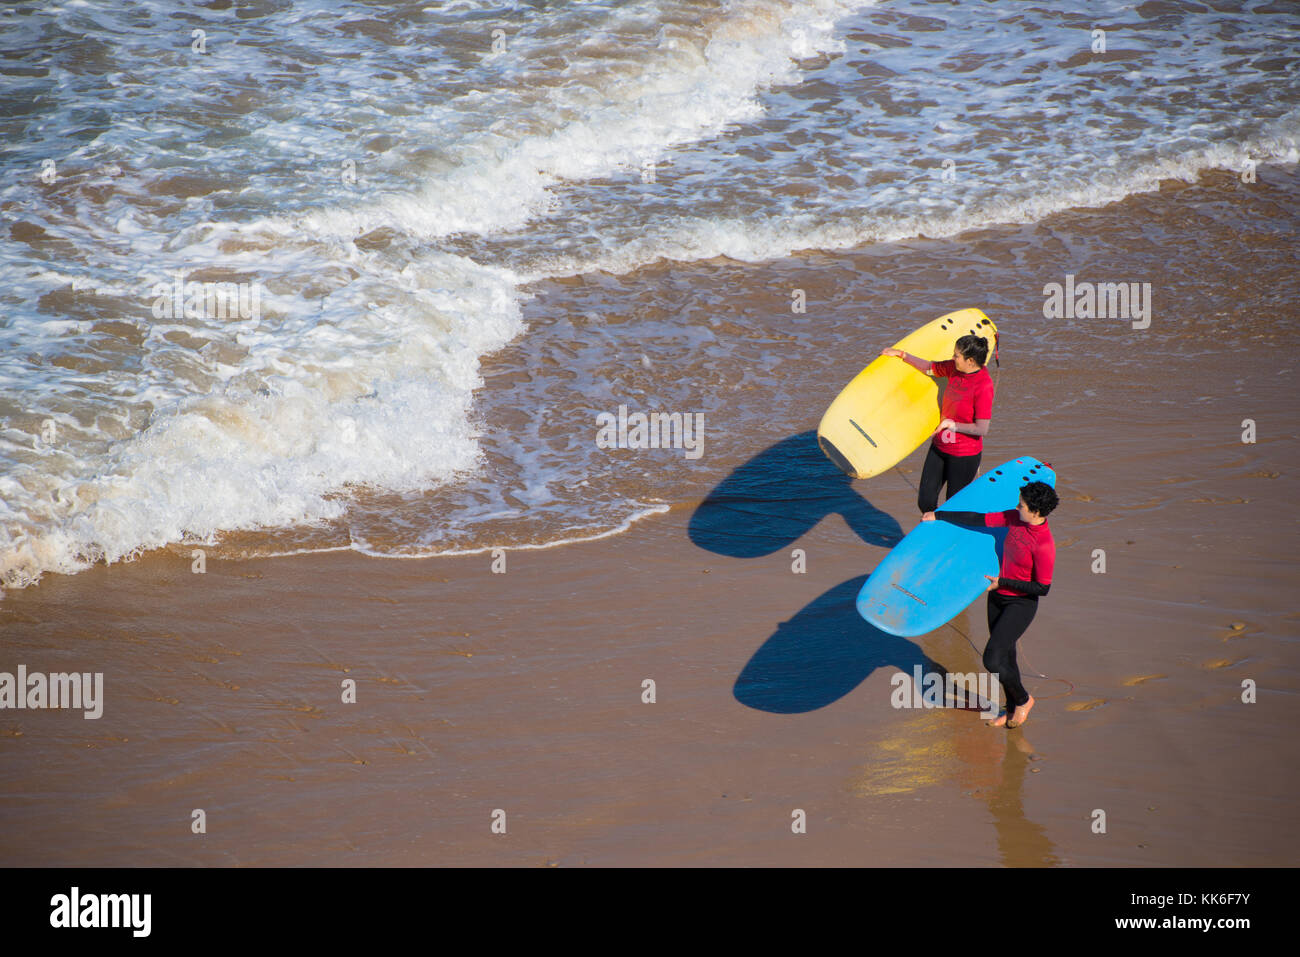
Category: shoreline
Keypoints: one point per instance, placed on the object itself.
(523, 691)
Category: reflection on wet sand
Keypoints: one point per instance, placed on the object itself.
(957, 747)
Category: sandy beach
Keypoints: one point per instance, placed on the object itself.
(523, 691)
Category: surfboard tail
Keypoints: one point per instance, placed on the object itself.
(836, 456)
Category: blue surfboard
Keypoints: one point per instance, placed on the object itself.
(938, 568)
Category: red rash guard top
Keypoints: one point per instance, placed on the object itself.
(1029, 554)
(969, 396)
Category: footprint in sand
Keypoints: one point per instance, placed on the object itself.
(1141, 679)
(1263, 473)
(1220, 663)
(1238, 629)
(1086, 705)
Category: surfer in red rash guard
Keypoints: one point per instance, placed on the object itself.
(1028, 556)
(954, 455)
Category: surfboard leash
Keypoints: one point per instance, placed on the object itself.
(997, 363)
(968, 639)
(1019, 656)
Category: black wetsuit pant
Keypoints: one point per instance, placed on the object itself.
(1009, 616)
(957, 471)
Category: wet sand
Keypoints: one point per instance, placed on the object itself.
(522, 691)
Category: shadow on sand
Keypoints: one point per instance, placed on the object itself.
(823, 653)
(777, 496)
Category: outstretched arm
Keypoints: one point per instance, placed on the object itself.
(968, 519)
(916, 362)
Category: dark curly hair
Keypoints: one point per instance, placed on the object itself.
(1040, 497)
(974, 347)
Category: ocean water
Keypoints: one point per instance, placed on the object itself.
(374, 193)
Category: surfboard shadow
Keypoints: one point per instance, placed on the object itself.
(777, 496)
(821, 654)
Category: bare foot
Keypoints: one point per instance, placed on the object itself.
(999, 721)
(1022, 714)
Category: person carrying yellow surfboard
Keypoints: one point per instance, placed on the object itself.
(967, 408)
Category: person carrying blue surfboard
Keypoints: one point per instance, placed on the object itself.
(967, 409)
(1028, 558)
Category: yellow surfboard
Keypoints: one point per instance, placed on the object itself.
(890, 408)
